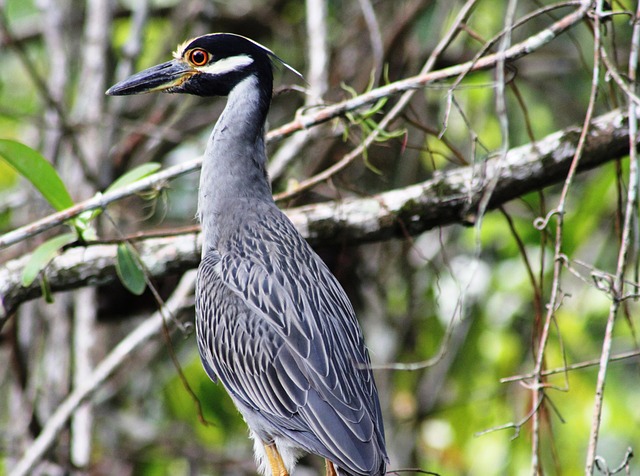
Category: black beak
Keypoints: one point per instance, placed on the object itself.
(167, 76)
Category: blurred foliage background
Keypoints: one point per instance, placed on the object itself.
(468, 302)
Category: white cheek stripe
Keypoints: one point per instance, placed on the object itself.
(226, 65)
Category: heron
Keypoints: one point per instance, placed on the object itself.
(273, 324)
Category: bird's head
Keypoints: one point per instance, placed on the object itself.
(210, 65)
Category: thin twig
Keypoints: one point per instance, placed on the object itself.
(516, 426)
(576, 366)
(602, 466)
(625, 241)
(555, 297)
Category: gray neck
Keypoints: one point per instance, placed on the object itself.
(234, 164)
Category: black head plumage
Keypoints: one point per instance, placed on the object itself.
(209, 65)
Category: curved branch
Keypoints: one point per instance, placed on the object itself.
(449, 197)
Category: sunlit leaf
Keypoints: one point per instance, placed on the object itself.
(134, 175)
(35, 168)
(129, 270)
(43, 254)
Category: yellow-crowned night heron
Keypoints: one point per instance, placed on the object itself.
(273, 324)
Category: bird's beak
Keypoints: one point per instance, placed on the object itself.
(163, 77)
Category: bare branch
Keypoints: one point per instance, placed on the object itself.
(375, 36)
(623, 252)
(99, 201)
(578, 366)
(91, 144)
(318, 79)
(555, 297)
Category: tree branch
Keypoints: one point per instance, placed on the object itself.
(449, 197)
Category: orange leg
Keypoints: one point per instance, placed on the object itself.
(275, 460)
(331, 471)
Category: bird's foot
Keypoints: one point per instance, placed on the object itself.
(275, 460)
(331, 470)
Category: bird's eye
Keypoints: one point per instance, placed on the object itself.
(198, 57)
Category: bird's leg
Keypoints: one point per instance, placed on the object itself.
(331, 471)
(275, 460)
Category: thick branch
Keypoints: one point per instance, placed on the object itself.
(449, 197)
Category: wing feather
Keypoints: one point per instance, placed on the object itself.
(297, 357)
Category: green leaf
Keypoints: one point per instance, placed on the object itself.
(129, 270)
(35, 168)
(46, 290)
(375, 109)
(83, 227)
(134, 175)
(43, 254)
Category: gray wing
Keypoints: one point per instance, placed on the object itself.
(298, 354)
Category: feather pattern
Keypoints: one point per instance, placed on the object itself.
(278, 331)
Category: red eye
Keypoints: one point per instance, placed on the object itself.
(198, 57)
